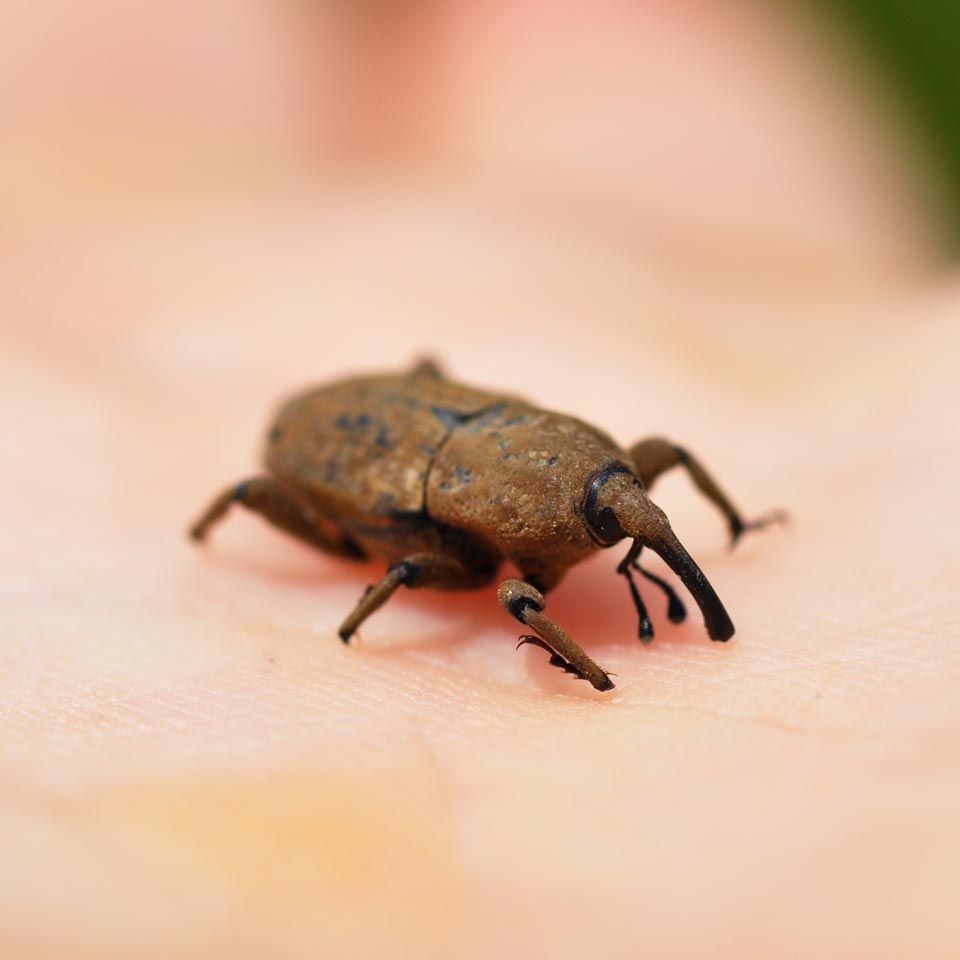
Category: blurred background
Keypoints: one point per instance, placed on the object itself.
(794, 147)
(731, 221)
(787, 139)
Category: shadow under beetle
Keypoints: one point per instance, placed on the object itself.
(445, 482)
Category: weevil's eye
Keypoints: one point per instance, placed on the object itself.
(600, 516)
(605, 526)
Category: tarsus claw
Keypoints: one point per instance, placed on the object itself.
(740, 527)
(555, 659)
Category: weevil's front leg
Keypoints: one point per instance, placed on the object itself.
(526, 603)
(437, 570)
(656, 455)
(279, 506)
(625, 568)
(676, 611)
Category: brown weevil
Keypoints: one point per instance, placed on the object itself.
(445, 482)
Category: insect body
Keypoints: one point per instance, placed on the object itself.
(445, 482)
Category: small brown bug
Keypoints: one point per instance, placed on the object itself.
(445, 482)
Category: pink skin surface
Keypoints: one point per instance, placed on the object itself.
(191, 763)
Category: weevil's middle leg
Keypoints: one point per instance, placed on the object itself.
(439, 570)
(376, 595)
(656, 455)
(526, 603)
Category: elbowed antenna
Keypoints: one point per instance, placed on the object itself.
(643, 521)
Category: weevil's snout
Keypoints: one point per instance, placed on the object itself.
(715, 617)
(623, 507)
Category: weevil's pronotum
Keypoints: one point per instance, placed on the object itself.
(445, 482)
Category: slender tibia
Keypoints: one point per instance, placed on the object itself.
(526, 603)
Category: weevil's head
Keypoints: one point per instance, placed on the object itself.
(616, 507)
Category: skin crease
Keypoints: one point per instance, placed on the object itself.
(192, 764)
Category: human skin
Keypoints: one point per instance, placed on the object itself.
(192, 764)
(192, 759)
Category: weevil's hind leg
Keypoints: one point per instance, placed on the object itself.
(438, 570)
(526, 603)
(656, 455)
(268, 497)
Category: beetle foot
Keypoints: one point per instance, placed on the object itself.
(555, 659)
(738, 526)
